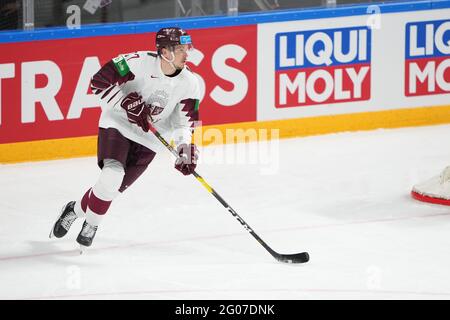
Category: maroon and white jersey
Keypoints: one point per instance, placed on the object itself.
(174, 99)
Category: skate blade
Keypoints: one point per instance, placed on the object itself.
(82, 249)
(52, 235)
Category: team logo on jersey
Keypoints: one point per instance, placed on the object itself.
(322, 66)
(427, 58)
(158, 101)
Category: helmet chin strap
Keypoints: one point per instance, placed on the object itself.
(171, 60)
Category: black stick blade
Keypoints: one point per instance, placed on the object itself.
(294, 258)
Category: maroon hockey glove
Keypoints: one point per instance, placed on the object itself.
(138, 111)
(188, 156)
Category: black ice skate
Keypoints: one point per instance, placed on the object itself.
(65, 220)
(86, 236)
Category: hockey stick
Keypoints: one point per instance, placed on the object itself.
(288, 258)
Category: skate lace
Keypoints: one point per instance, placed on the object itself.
(68, 220)
(88, 231)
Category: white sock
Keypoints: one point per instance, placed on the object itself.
(92, 218)
(78, 210)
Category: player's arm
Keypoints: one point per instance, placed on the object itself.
(114, 73)
(107, 82)
(184, 122)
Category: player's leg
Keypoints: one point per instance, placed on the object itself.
(100, 198)
(69, 213)
(114, 147)
(115, 178)
(138, 160)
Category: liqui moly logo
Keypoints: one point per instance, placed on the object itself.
(427, 58)
(322, 66)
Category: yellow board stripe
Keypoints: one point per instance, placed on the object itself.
(48, 149)
(252, 131)
(301, 127)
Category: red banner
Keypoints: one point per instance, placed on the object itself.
(44, 85)
(427, 76)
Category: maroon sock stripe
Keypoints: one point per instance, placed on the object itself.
(97, 205)
(85, 200)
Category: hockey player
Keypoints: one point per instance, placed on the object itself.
(136, 89)
(434, 190)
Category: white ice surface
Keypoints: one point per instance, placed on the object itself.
(344, 198)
